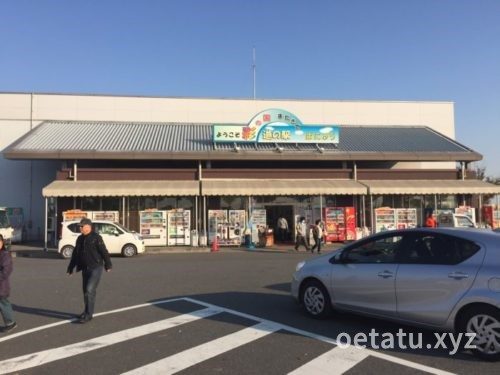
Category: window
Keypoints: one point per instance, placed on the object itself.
(104, 228)
(75, 227)
(438, 249)
(464, 222)
(380, 250)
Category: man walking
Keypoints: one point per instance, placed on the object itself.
(301, 234)
(318, 236)
(282, 228)
(89, 256)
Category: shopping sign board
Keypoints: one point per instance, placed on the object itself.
(276, 126)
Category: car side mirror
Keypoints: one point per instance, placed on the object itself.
(116, 233)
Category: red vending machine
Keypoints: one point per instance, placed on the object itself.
(340, 224)
(350, 223)
(488, 216)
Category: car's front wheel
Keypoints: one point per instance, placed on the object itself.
(129, 250)
(315, 299)
(67, 251)
(484, 322)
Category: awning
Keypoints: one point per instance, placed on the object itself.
(120, 188)
(282, 187)
(430, 187)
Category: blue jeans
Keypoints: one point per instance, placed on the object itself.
(6, 310)
(91, 278)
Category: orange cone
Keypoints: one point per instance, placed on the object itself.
(215, 245)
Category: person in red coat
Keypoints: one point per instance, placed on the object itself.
(5, 271)
(430, 222)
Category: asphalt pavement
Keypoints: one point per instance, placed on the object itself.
(196, 313)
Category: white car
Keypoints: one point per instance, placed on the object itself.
(117, 238)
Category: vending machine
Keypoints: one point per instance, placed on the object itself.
(385, 219)
(340, 224)
(179, 227)
(153, 227)
(491, 216)
(350, 223)
(406, 218)
(217, 220)
(236, 223)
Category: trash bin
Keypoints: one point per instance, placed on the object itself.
(248, 239)
(194, 238)
(270, 237)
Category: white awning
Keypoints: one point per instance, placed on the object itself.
(282, 187)
(430, 187)
(120, 188)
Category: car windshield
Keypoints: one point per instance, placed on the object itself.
(122, 227)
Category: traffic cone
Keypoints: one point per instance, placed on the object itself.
(215, 245)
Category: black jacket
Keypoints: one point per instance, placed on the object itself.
(5, 271)
(90, 252)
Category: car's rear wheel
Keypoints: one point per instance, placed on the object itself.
(315, 299)
(129, 250)
(67, 251)
(484, 322)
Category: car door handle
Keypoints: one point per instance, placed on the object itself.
(458, 275)
(385, 274)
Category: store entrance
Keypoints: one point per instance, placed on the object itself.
(273, 213)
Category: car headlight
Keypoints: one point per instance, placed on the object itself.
(299, 266)
(138, 237)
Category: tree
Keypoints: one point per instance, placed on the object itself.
(480, 172)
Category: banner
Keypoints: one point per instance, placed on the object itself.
(276, 126)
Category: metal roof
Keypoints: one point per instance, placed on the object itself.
(128, 140)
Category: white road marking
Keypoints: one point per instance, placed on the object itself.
(37, 359)
(36, 329)
(335, 361)
(370, 352)
(200, 353)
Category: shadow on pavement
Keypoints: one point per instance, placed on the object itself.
(283, 287)
(42, 312)
(40, 254)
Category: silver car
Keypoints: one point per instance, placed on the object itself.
(442, 278)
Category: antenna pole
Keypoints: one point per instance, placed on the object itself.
(254, 66)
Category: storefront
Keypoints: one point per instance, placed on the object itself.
(220, 180)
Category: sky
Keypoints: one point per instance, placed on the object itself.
(432, 50)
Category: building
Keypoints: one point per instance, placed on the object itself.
(133, 154)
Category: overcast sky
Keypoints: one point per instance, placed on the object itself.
(338, 49)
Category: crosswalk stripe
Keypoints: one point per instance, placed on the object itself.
(370, 352)
(336, 361)
(200, 353)
(50, 355)
(40, 358)
(52, 325)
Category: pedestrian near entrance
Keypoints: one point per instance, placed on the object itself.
(5, 271)
(282, 228)
(430, 222)
(89, 256)
(301, 234)
(318, 236)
